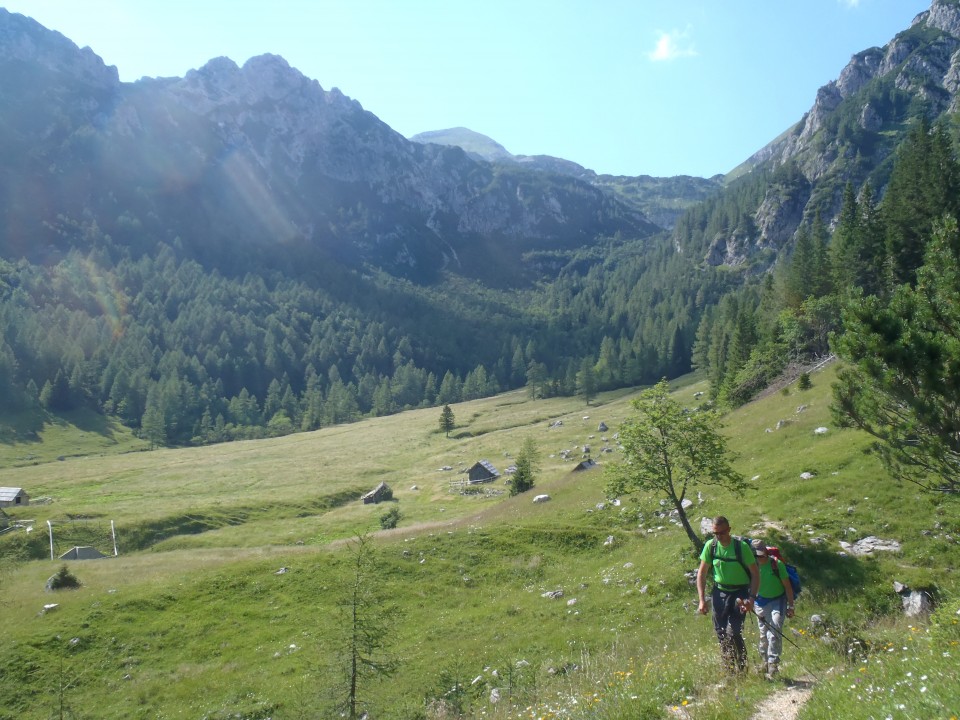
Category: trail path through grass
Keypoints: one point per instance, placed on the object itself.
(784, 704)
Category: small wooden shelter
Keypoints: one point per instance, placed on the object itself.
(13, 497)
(482, 472)
(380, 493)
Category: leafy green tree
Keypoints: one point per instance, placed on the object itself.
(586, 381)
(153, 427)
(668, 450)
(902, 382)
(390, 519)
(447, 420)
(536, 379)
(450, 389)
(924, 184)
(56, 395)
(528, 466)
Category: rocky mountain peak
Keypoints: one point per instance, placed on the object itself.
(23, 39)
(943, 15)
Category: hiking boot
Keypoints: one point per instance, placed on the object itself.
(773, 671)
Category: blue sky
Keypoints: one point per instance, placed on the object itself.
(628, 87)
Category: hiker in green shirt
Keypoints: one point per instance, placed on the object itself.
(736, 582)
(774, 604)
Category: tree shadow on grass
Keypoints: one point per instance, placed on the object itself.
(26, 427)
(21, 427)
(87, 421)
(824, 571)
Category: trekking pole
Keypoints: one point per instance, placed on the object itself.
(784, 637)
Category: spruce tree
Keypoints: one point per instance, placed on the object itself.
(447, 420)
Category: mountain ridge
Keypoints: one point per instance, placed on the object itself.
(239, 154)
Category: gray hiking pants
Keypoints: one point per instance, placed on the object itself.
(770, 617)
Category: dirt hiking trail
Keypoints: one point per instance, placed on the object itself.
(785, 703)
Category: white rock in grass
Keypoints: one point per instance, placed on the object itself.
(541, 498)
(870, 545)
(807, 476)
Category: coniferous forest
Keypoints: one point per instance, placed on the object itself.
(169, 307)
(187, 355)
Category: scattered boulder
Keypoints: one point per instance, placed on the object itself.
(915, 602)
(609, 541)
(870, 545)
(801, 408)
(782, 423)
(552, 594)
(706, 525)
(602, 427)
(821, 431)
(541, 499)
(49, 607)
(807, 476)
(282, 571)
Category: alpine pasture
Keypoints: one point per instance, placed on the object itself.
(228, 595)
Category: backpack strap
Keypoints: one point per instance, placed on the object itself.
(737, 549)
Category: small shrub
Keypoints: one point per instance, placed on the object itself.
(804, 382)
(389, 520)
(63, 580)
(785, 391)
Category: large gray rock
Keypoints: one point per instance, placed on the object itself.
(916, 603)
(870, 545)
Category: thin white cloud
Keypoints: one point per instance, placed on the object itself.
(672, 45)
(850, 3)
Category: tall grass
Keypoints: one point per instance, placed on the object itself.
(195, 619)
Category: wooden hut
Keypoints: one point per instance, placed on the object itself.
(482, 472)
(13, 497)
(380, 493)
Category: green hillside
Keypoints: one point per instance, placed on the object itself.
(194, 619)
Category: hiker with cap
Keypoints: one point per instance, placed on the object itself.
(736, 582)
(773, 605)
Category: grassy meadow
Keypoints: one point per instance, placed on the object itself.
(193, 618)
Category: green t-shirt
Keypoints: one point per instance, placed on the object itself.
(727, 572)
(770, 585)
